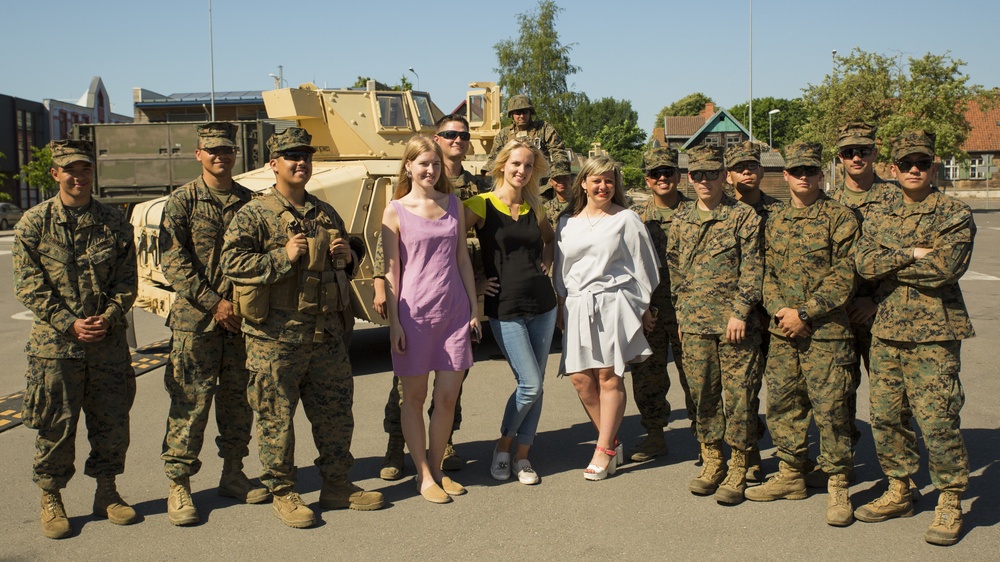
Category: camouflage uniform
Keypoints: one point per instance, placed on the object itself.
(543, 135)
(67, 266)
(552, 209)
(207, 362)
(809, 266)
(918, 328)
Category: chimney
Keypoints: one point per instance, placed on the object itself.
(709, 111)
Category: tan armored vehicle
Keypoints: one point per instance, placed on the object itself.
(360, 135)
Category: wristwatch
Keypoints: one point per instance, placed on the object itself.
(803, 316)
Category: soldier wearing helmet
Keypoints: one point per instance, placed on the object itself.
(543, 135)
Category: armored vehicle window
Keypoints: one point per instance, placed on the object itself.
(477, 108)
(424, 114)
(391, 112)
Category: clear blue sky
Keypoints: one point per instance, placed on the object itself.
(649, 52)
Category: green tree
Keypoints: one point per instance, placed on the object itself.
(786, 123)
(538, 65)
(691, 104)
(615, 125)
(37, 172)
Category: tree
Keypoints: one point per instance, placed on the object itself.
(537, 64)
(37, 172)
(691, 104)
(786, 123)
(615, 125)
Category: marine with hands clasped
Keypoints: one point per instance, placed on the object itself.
(540, 133)
(917, 247)
(208, 354)
(288, 257)
(75, 269)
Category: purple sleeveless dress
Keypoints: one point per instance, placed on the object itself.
(433, 306)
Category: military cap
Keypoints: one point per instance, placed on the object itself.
(746, 151)
(705, 158)
(856, 133)
(658, 157)
(293, 138)
(217, 133)
(915, 141)
(65, 152)
(803, 154)
(560, 168)
(519, 102)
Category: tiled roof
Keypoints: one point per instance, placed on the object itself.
(984, 136)
(684, 125)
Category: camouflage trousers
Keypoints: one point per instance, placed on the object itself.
(927, 374)
(102, 385)
(722, 377)
(205, 366)
(392, 422)
(320, 375)
(810, 379)
(651, 381)
(862, 345)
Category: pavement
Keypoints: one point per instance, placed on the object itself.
(644, 512)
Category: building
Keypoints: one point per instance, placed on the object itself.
(94, 106)
(151, 107)
(983, 148)
(23, 124)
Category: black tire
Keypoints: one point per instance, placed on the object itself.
(3, 224)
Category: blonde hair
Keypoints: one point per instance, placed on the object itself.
(595, 166)
(539, 169)
(416, 146)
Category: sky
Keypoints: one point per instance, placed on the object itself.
(649, 52)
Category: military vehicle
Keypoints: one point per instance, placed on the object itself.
(360, 135)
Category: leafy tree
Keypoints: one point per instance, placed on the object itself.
(691, 104)
(37, 171)
(615, 125)
(538, 65)
(786, 123)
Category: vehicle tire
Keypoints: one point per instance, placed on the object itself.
(3, 224)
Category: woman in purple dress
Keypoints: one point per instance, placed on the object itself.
(432, 305)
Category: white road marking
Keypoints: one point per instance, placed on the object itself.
(976, 276)
(26, 315)
(4, 252)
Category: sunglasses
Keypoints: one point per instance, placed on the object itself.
(850, 153)
(701, 175)
(520, 111)
(297, 156)
(662, 171)
(907, 165)
(220, 151)
(808, 171)
(452, 135)
(743, 167)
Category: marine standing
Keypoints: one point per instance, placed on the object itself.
(560, 181)
(543, 135)
(75, 269)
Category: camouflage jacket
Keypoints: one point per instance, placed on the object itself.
(552, 209)
(809, 265)
(253, 253)
(190, 243)
(765, 207)
(658, 223)
(919, 300)
(881, 191)
(715, 266)
(541, 133)
(63, 273)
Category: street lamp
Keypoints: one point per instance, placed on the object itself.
(417, 75)
(279, 78)
(770, 133)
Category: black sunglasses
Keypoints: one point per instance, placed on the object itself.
(452, 135)
(520, 111)
(702, 175)
(220, 150)
(907, 165)
(745, 167)
(297, 156)
(808, 171)
(661, 171)
(850, 153)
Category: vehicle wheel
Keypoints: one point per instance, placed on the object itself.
(3, 224)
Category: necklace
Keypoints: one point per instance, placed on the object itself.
(594, 223)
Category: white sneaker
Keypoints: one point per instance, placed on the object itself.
(500, 469)
(525, 474)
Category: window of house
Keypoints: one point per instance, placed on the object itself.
(712, 141)
(951, 170)
(977, 170)
(732, 138)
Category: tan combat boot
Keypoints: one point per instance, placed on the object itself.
(947, 525)
(392, 464)
(293, 511)
(342, 494)
(713, 470)
(787, 484)
(107, 503)
(235, 484)
(754, 472)
(180, 506)
(654, 445)
(897, 501)
(732, 488)
(838, 505)
(55, 524)
(451, 460)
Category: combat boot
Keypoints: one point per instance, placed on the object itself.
(451, 460)
(55, 524)
(654, 445)
(838, 505)
(754, 472)
(816, 478)
(897, 501)
(293, 511)
(732, 488)
(392, 464)
(342, 494)
(108, 504)
(947, 525)
(787, 484)
(713, 470)
(180, 506)
(235, 484)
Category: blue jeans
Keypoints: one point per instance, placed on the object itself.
(525, 343)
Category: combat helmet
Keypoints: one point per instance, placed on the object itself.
(519, 101)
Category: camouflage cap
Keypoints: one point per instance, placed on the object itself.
(519, 101)
(65, 152)
(915, 141)
(746, 151)
(856, 133)
(659, 157)
(560, 168)
(217, 133)
(705, 158)
(291, 138)
(803, 154)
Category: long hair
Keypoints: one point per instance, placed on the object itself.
(540, 169)
(416, 146)
(596, 166)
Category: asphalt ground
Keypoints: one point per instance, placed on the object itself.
(644, 512)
